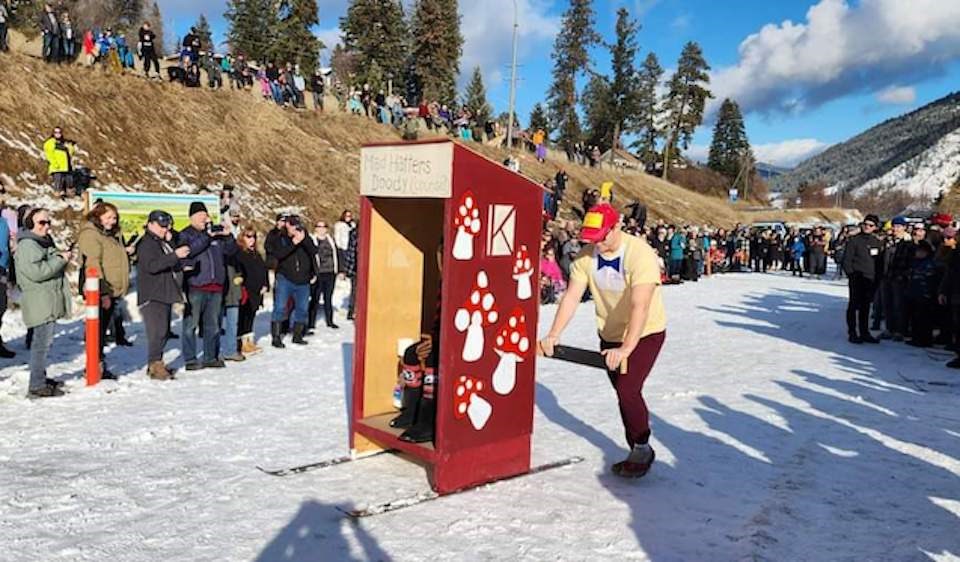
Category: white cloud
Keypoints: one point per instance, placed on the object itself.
(681, 22)
(487, 29)
(788, 153)
(841, 49)
(897, 95)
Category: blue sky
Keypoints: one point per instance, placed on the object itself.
(807, 73)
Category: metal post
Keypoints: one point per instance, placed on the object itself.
(513, 80)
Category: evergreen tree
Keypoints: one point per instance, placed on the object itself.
(538, 118)
(624, 104)
(730, 145)
(202, 29)
(295, 42)
(570, 57)
(253, 26)
(126, 16)
(685, 101)
(475, 98)
(598, 112)
(437, 46)
(645, 125)
(376, 33)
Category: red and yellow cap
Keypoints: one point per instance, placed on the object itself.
(598, 223)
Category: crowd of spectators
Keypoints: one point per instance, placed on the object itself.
(216, 276)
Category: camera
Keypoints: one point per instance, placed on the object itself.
(214, 228)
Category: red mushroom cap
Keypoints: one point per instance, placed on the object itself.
(512, 337)
(466, 387)
(522, 264)
(481, 301)
(468, 215)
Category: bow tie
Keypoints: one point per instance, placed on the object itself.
(613, 264)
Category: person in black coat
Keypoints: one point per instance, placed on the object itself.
(294, 255)
(253, 271)
(328, 267)
(860, 259)
(148, 49)
(159, 286)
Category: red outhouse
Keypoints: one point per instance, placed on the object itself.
(415, 197)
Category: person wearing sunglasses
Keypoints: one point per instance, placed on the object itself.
(860, 263)
(159, 287)
(45, 294)
(253, 270)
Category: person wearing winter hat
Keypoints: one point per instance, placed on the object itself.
(860, 258)
(206, 277)
(896, 271)
(159, 287)
(623, 275)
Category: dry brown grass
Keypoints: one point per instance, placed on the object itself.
(664, 200)
(128, 127)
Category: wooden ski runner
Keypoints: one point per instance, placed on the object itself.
(320, 465)
(430, 495)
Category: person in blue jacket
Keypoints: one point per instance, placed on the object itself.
(205, 275)
(799, 249)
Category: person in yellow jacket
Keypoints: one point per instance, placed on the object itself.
(59, 154)
(101, 246)
(540, 144)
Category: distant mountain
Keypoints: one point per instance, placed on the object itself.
(769, 171)
(918, 153)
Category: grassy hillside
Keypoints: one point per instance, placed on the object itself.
(152, 136)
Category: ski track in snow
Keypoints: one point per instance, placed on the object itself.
(775, 439)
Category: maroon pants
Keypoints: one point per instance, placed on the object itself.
(629, 386)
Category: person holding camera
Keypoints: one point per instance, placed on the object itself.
(45, 293)
(294, 255)
(206, 277)
(159, 287)
(59, 154)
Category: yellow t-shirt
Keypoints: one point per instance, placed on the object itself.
(610, 279)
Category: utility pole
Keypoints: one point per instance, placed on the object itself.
(513, 80)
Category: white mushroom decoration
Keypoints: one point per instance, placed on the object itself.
(522, 271)
(512, 344)
(478, 312)
(467, 221)
(467, 402)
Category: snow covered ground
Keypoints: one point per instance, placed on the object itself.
(775, 439)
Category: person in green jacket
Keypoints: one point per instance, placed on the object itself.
(101, 246)
(59, 154)
(45, 293)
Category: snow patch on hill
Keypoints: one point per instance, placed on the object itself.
(924, 175)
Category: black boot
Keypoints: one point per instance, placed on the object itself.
(412, 391)
(275, 328)
(298, 330)
(422, 430)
